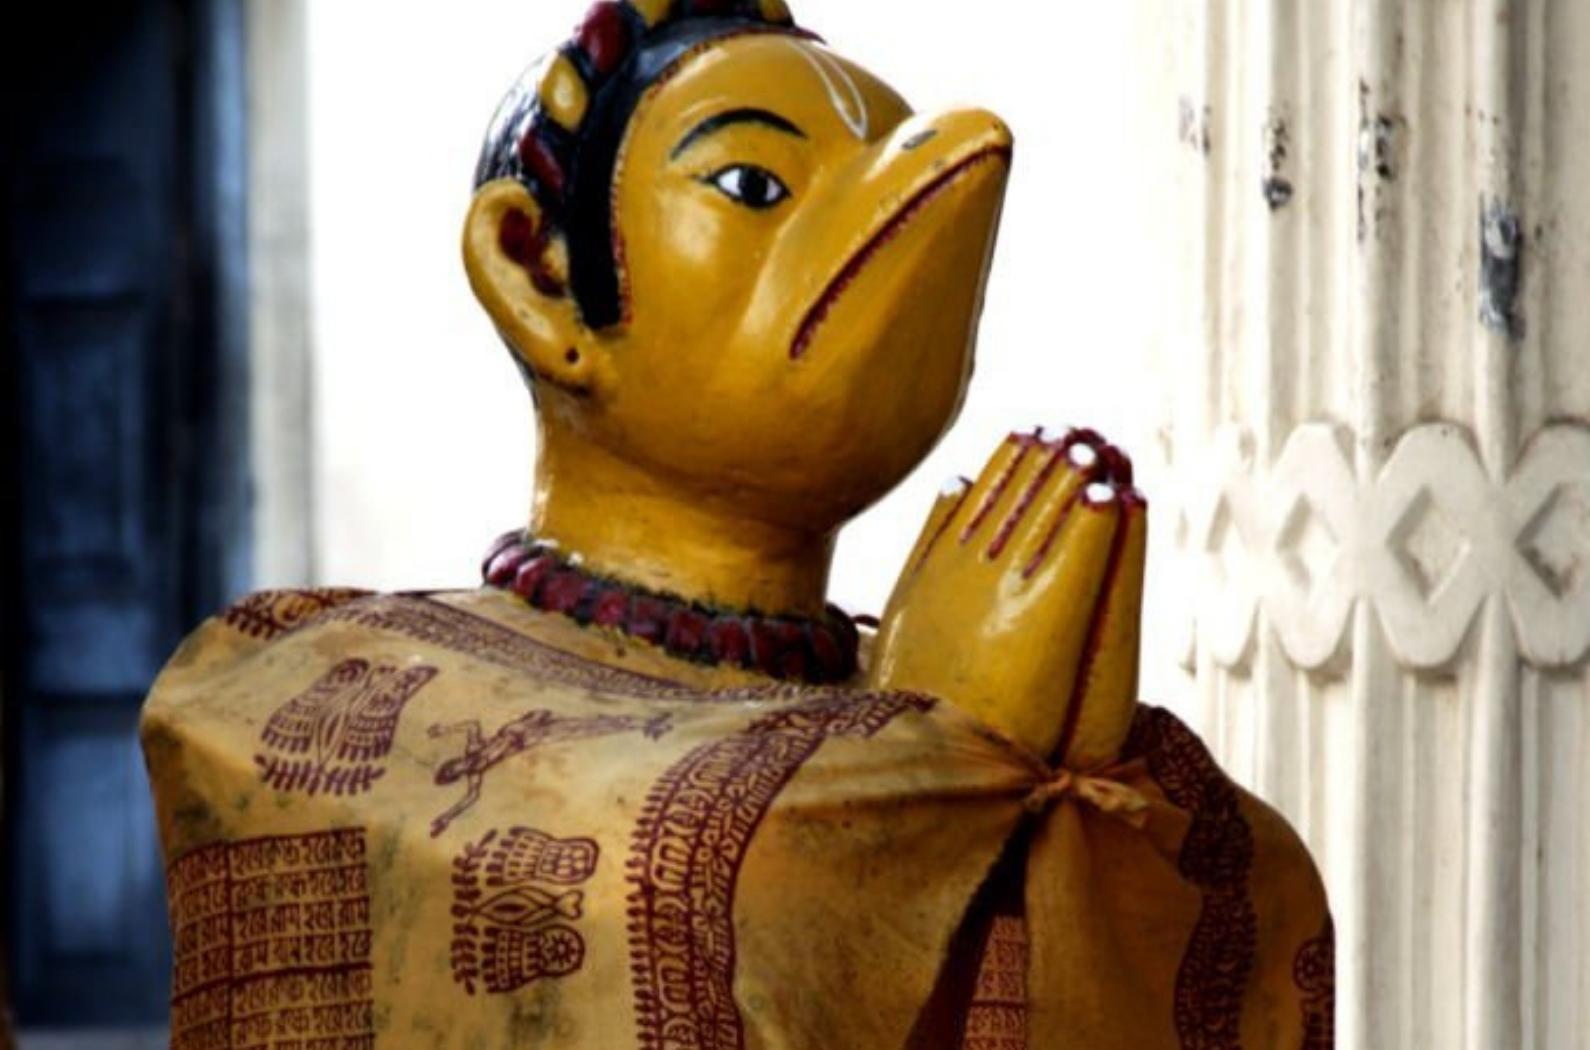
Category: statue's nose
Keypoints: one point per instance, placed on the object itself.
(919, 147)
(941, 137)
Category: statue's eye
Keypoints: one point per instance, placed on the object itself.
(749, 185)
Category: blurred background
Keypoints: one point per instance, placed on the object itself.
(241, 353)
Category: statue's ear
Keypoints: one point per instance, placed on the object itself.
(518, 267)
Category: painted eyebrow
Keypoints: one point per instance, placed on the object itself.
(714, 124)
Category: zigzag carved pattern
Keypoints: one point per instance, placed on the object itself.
(1427, 539)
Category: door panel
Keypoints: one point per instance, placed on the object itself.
(95, 613)
(95, 950)
(119, 349)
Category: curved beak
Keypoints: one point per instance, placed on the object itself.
(926, 195)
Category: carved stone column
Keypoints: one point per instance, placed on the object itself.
(280, 324)
(1378, 485)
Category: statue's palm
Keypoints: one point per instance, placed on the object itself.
(1020, 603)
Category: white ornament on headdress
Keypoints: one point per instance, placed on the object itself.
(842, 88)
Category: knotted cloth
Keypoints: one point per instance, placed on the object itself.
(404, 821)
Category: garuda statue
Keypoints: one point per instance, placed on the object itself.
(645, 788)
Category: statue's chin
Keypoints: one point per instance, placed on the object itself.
(906, 364)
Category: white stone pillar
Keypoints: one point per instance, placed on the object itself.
(1377, 434)
(281, 412)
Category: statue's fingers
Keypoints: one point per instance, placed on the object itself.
(1104, 697)
(954, 496)
(1054, 595)
(1117, 466)
(1034, 526)
(1019, 460)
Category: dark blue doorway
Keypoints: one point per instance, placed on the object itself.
(126, 484)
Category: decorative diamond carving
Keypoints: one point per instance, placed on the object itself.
(1223, 544)
(1426, 538)
(1556, 542)
(1428, 545)
(1306, 545)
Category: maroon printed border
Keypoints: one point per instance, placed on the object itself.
(268, 615)
(1314, 973)
(685, 859)
(1217, 857)
(425, 619)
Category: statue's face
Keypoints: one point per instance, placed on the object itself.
(802, 262)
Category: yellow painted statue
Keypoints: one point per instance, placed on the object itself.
(645, 788)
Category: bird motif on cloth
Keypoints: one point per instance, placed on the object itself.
(335, 736)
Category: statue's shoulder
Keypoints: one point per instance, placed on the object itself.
(303, 692)
(1236, 843)
(1185, 768)
(252, 625)
(267, 615)
(284, 645)
(271, 617)
(243, 649)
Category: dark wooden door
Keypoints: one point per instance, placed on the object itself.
(126, 478)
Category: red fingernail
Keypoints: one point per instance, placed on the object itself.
(1087, 436)
(1118, 465)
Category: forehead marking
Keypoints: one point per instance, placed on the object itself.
(841, 86)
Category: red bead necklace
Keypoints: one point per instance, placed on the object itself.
(819, 651)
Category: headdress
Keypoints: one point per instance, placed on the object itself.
(559, 130)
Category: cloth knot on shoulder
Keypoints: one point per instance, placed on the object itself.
(1103, 791)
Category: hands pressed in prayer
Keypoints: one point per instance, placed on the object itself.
(1020, 603)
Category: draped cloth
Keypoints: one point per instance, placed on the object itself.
(401, 821)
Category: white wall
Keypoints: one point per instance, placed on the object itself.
(423, 431)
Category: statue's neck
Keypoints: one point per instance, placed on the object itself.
(626, 523)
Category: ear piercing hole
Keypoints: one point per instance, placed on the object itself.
(572, 356)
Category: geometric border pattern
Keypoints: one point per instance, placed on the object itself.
(1426, 539)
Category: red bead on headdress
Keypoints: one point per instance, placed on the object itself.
(541, 162)
(610, 32)
(604, 36)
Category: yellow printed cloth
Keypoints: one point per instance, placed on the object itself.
(404, 821)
